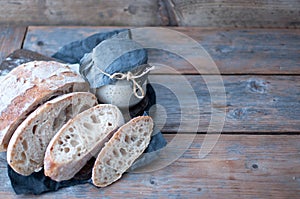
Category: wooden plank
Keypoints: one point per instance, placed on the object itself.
(77, 12)
(11, 38)
(239, 166)
(48, 40)
(234, 51)
(253, 103)
(239, 13)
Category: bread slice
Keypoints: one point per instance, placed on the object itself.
(79, 140)
(126, 145)
(30, 85)
(26, 149)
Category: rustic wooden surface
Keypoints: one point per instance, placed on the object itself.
(268, 52)
(258, 152)
(11, 38)
(235, 51)
(239, 166)
(240, 13)
(88, 12)
(261, 104)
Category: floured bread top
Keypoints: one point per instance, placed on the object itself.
(29, 85)
(26, 76)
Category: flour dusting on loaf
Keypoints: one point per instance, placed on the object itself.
(30, 85)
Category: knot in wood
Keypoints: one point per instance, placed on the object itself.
(238, 113)
(257, 86)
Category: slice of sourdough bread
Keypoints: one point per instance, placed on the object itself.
(30, 85)
(26, 149)
(79, 140)
(126, 145)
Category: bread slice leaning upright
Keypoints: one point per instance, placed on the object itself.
(126, 145)
(29, 85)
(26, 149)
(79, 140)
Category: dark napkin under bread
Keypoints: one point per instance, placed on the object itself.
(37, 183)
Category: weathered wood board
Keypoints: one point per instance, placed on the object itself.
(234, 51)
(239, 166)
(11, 38)
(261, 104)
(240, 13)
(254, 103)
(77, 12)
(258, 152)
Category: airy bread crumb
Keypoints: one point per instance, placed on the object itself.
(26, 149)
(79, 140)
(126, 145)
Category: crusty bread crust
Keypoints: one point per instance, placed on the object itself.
(26, 149)
(126, 145)
(30, 85)
(79, 140)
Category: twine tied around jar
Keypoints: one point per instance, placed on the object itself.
(129, 76)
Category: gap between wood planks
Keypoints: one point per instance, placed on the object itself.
(24, 38)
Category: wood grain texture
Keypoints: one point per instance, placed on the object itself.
(11, 38)
(234, 51)
(239, 13)
(254, 103)
(260, 104)
(239, 166)
(203, 13)
(77, 12)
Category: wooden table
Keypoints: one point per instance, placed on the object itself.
(258, 152)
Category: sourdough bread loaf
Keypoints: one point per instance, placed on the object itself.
(30, 85)
(125, 146)
(79, 140)
(26, 149)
